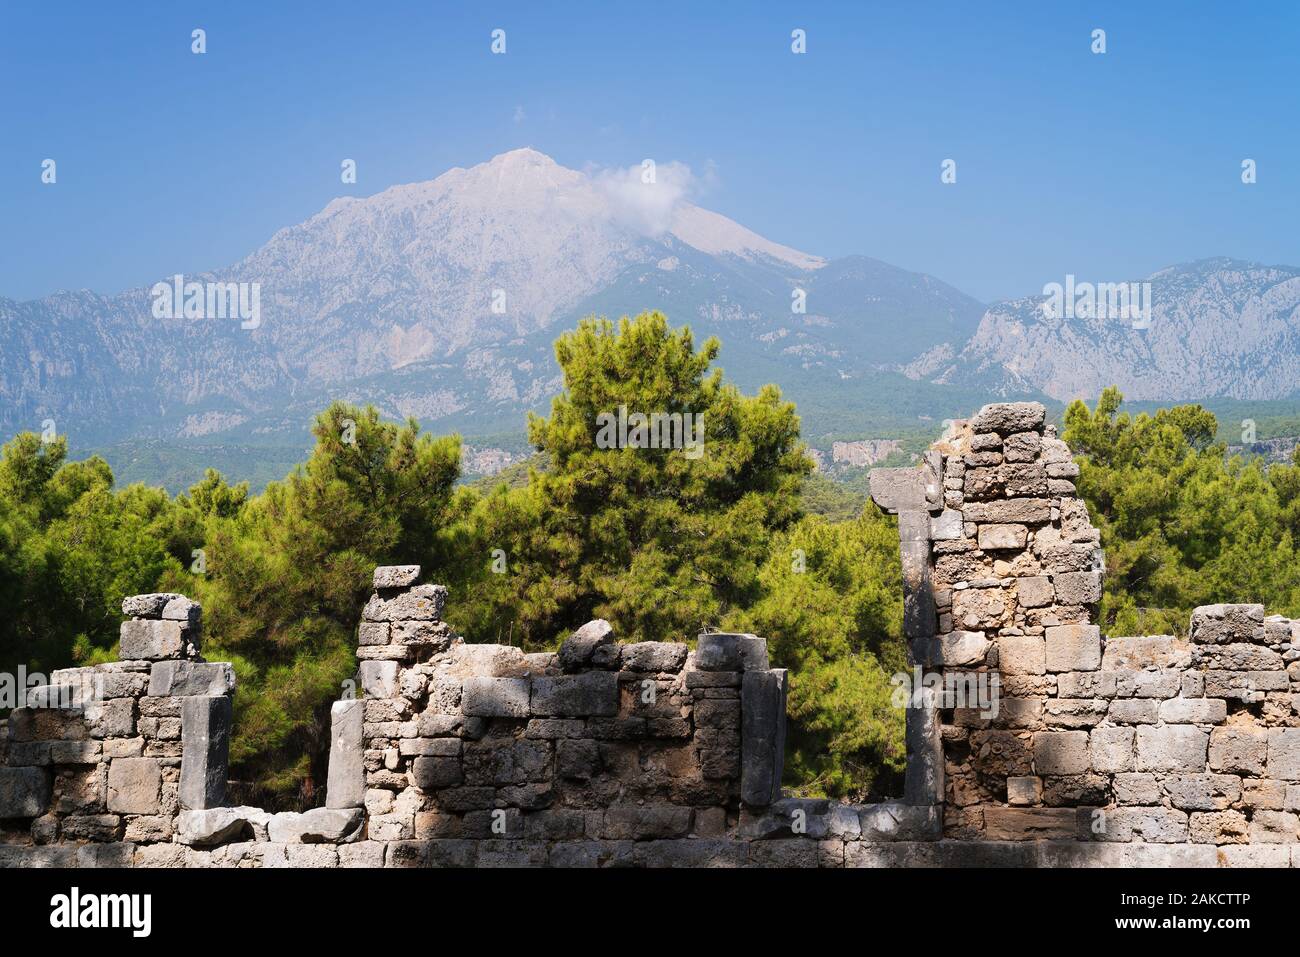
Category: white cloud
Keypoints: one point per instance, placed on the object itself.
(647, 207)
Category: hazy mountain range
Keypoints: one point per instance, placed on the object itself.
(441, 300)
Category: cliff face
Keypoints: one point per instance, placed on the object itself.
(1217, 327)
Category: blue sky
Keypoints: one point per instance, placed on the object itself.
(1106, 166)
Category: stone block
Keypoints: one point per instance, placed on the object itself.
(1218, 624)
(1147, 651)
(576, 651)
(1034, 592)
(1284, 754)
(396, 576)
(1024, 790)
(1073, 648)
(763, 697)
(1030, 511)
(721, 651)
(1202, 792)
(1077, 588)
(575, 696)
(1239, 750)
(1133, 711)
(182, 678)
(654, 656)
(1193, 710)
(1022, 655)
(134, 785)
(1136, 788)
(150, 640)
(1061, 752)
(1006, 418)
(147, 606)
(319, 825)
(433, 772)
(1030, 824)
(221, 825)
(1274, 827)
(1152, 825)
(24, 792)
(1171, 748)
(345, 785)
(421, 603)
(1111, 749)
(205, 746)
(1218, 827)
(998, 537)
(182, 609)
(959, 649)
(379, 678)
(495, 697)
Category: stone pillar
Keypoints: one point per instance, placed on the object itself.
(346, 782)
(912, 494)
(205, 747)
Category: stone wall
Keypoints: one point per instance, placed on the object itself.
(1032, 739)
(1153, 740)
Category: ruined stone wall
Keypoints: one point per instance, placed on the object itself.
(1150, 740)
(1032, 739)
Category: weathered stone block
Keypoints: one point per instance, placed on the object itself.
(654, 656)
(205, 742)
(1030, 511)
(1073, 648)
(1077, 588)
(1111, 749)
(1218, 827)
(147, 640)
(319, 825)
(345, 785)
(1193, 710)
(1061, 752)
(1171, 748)
(1006, 418)
(1133, 711)
(1153, 825)
(1024, 790)
(181, 678)
(1137, 788)
(396, 576)
(496, 697)
(995, 537)
(1274, 827)
(1216, 624)
(1034, 592)
(1145, 652)
(721, 651)
(1030, 824)
(378, 678)
(221, 825)
(959, 649)
(421, 603)
(1022, 655)
(147, 606)
(576, 696)
(1284, 753)
(763, 697)
(134, 785)
(1074, 712)
(1240, 750)
(576, 651)
(1202, 792)
(24, 792)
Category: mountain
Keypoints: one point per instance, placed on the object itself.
(1218, 328)
(442, 299)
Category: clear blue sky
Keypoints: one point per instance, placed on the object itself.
(1106, 166)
